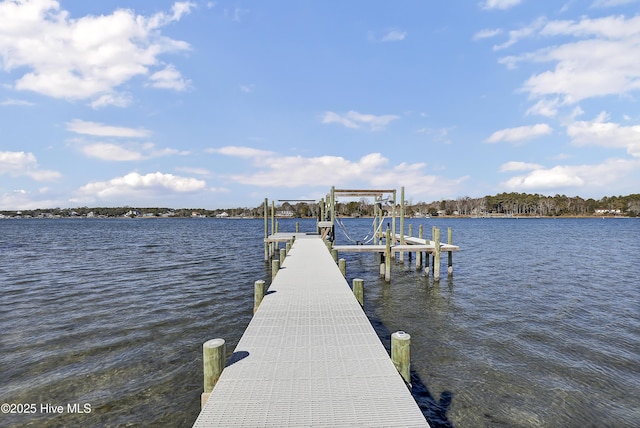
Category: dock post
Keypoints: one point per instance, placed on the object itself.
(297, 227)
(275, 266)
(287, 247)
(419, 253)
(410, 236)
(283, 254)
(387, 257)
(393, 223)
(402, 222)
(274, 245)
(401, 354)
(342, 265)
(333, 206)
(213, 359)
(358, 290)
(450, 253)
(266, 230)
(334, 254)
(436, 257)
(258, 294)
(375, 222)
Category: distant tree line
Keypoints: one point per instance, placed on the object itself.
(517, 204)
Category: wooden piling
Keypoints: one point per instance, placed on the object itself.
(358, 290)
(402, 222)
(401, 354)
(273, 227)
(258, 294)
(387, 256)
(275, 266)
(334, 254)
(297, 227)
(213, 360)
(266, 229)
(450, 253)
(419, 253)
(436, 256)
(283, 255)
(342, 265)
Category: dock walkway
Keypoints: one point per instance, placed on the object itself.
(310, 357)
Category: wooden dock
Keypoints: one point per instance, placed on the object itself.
(310, 357)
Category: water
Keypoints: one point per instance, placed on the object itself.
(537, 328)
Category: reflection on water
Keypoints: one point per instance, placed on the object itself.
(537, 327)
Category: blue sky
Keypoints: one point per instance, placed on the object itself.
(221, 104)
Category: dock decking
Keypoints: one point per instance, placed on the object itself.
(310, 357)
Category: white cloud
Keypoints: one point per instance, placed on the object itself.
(241, 152)
(112, 151)
(12, 102)
(203, 172)
(611, 3)
(101, 130)
(353, 119)
(600, 62)
(247, 89)
(25, 200)
(519, 166)
(113, 99)
(545, 107)
(87, 57)
(527, 31)
(123, 152)
(394, 36)
(371, 170)
(169, 78)
(591, 177)
(17, 164)
(487, 34)
(499, 4)
(137, 185)
(603, 133)
(521, 133)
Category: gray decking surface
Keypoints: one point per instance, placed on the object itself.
(310, 358)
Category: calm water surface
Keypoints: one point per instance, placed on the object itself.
(538, 327)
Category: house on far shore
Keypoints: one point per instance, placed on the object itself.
(223, 214)
(133, 213)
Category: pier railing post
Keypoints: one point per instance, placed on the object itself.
(258, 294)
(342, 265)
(401, 354)
(283, 254)
(358, 290)
(334, 254)
(213, 359)
(275, 266)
